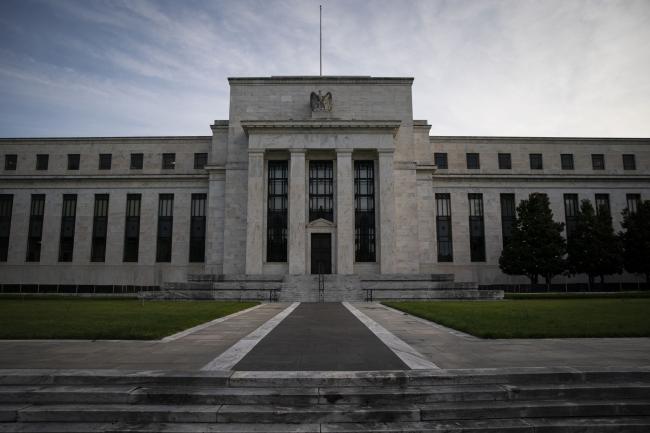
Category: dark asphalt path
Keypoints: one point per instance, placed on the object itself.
(320, 336)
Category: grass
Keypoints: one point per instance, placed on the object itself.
(102, 319)
(538, 318)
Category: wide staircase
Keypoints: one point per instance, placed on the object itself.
(487, 400)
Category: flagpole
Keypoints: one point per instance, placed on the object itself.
(320, 36)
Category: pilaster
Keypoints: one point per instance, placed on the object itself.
(297, 209)
(386, 212)
(255, 218)
(344, 212)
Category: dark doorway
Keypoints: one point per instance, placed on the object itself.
(321, 253)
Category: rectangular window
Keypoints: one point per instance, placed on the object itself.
(473, 161)
(105, 160)
(42, 161)
(132, 228)
(508, 216)
(629, 162)
(321, 190)
(276, 215)
(602, 204)
(168, 161)
(571, 213)
(35, 234)
(536, 162)
(505, 161)
(68, 216)
(443, 227)
(598, 161)
(73, 161)
(6, 204)
(197, 228)
(440, 159)
(476, 228)
(200, 160)
(364, 211)
(633, 201)
(11, 162)
(165, 227)
(136, 161)
(567, 161)
(100, 226)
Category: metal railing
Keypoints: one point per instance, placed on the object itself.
(321, 283)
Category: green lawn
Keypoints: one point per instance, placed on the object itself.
(538, 318)
(102, 319)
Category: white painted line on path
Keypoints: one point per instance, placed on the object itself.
(411, 357)
(206, 324)
(228, 359)
(436, 325)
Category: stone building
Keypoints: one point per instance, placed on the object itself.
(307, 174)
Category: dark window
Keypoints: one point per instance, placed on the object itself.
(536, 162)
(602, 204)
(105, 160)
(364, 211)
(476, 228)
(567, 161)
(633, 201)
(11, 162)
(629, 162)
(42, 161)
(276, 215)
(132, 228)
(571, 213)
(35, 233)
(440, 159)
(443, 227)
(505, 161)
(473, 161)
(508, 216)
(598, 161)
(136, 161)
(6, 203)
(168, 161)
(165, 227)
(200, 160)
(73, 161)
(197, 228)
(68, 215)
(100, 226)
(321, 190)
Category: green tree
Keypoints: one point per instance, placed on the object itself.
(636, 240)
(594, 249)
(536, 246)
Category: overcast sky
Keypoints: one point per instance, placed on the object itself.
(481, 67)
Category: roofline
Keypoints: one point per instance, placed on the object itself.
(529, 138)
(140, 138)
(317, 79)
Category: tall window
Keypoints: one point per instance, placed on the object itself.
(602, 203)
(165, 226)
(440, 159)
(321, 190)
(73, 161)
(42, 161)
(168, 161)
(105, 161)
(567, 161)
(633, 201)
(505, 161)
(473, 161)
(68, 215)
(508, 216)
(571, 213)
(476, 228)
(132, 228)
(11, 162)
(100, 225)
(136, 161)
(197, 228)
(629, 162)
(200, 160)
(6, 203)
(276, 215)
(35, 234)
(536, 162)
(598, 161)
(443, 227)
(364, 211)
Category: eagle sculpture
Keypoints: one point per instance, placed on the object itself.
(320, 102)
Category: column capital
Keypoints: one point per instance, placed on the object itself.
(298, 151)
(386, 151)
(343, 151)
(256, 151)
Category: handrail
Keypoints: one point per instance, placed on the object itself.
(321, 283)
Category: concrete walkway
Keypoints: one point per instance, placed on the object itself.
(452, 349)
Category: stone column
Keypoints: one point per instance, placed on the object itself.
(344, 212)
(255, 212)
(386, 212)
(297, 210)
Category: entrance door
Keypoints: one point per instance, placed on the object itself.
(321, 253)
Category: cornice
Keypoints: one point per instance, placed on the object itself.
(321, 125)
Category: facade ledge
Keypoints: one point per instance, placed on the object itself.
(73, 178)
(321, 125)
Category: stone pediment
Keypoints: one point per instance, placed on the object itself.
(321, 223)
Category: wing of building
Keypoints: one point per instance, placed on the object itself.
(309, 175)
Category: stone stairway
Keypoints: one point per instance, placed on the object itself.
(485, 400)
